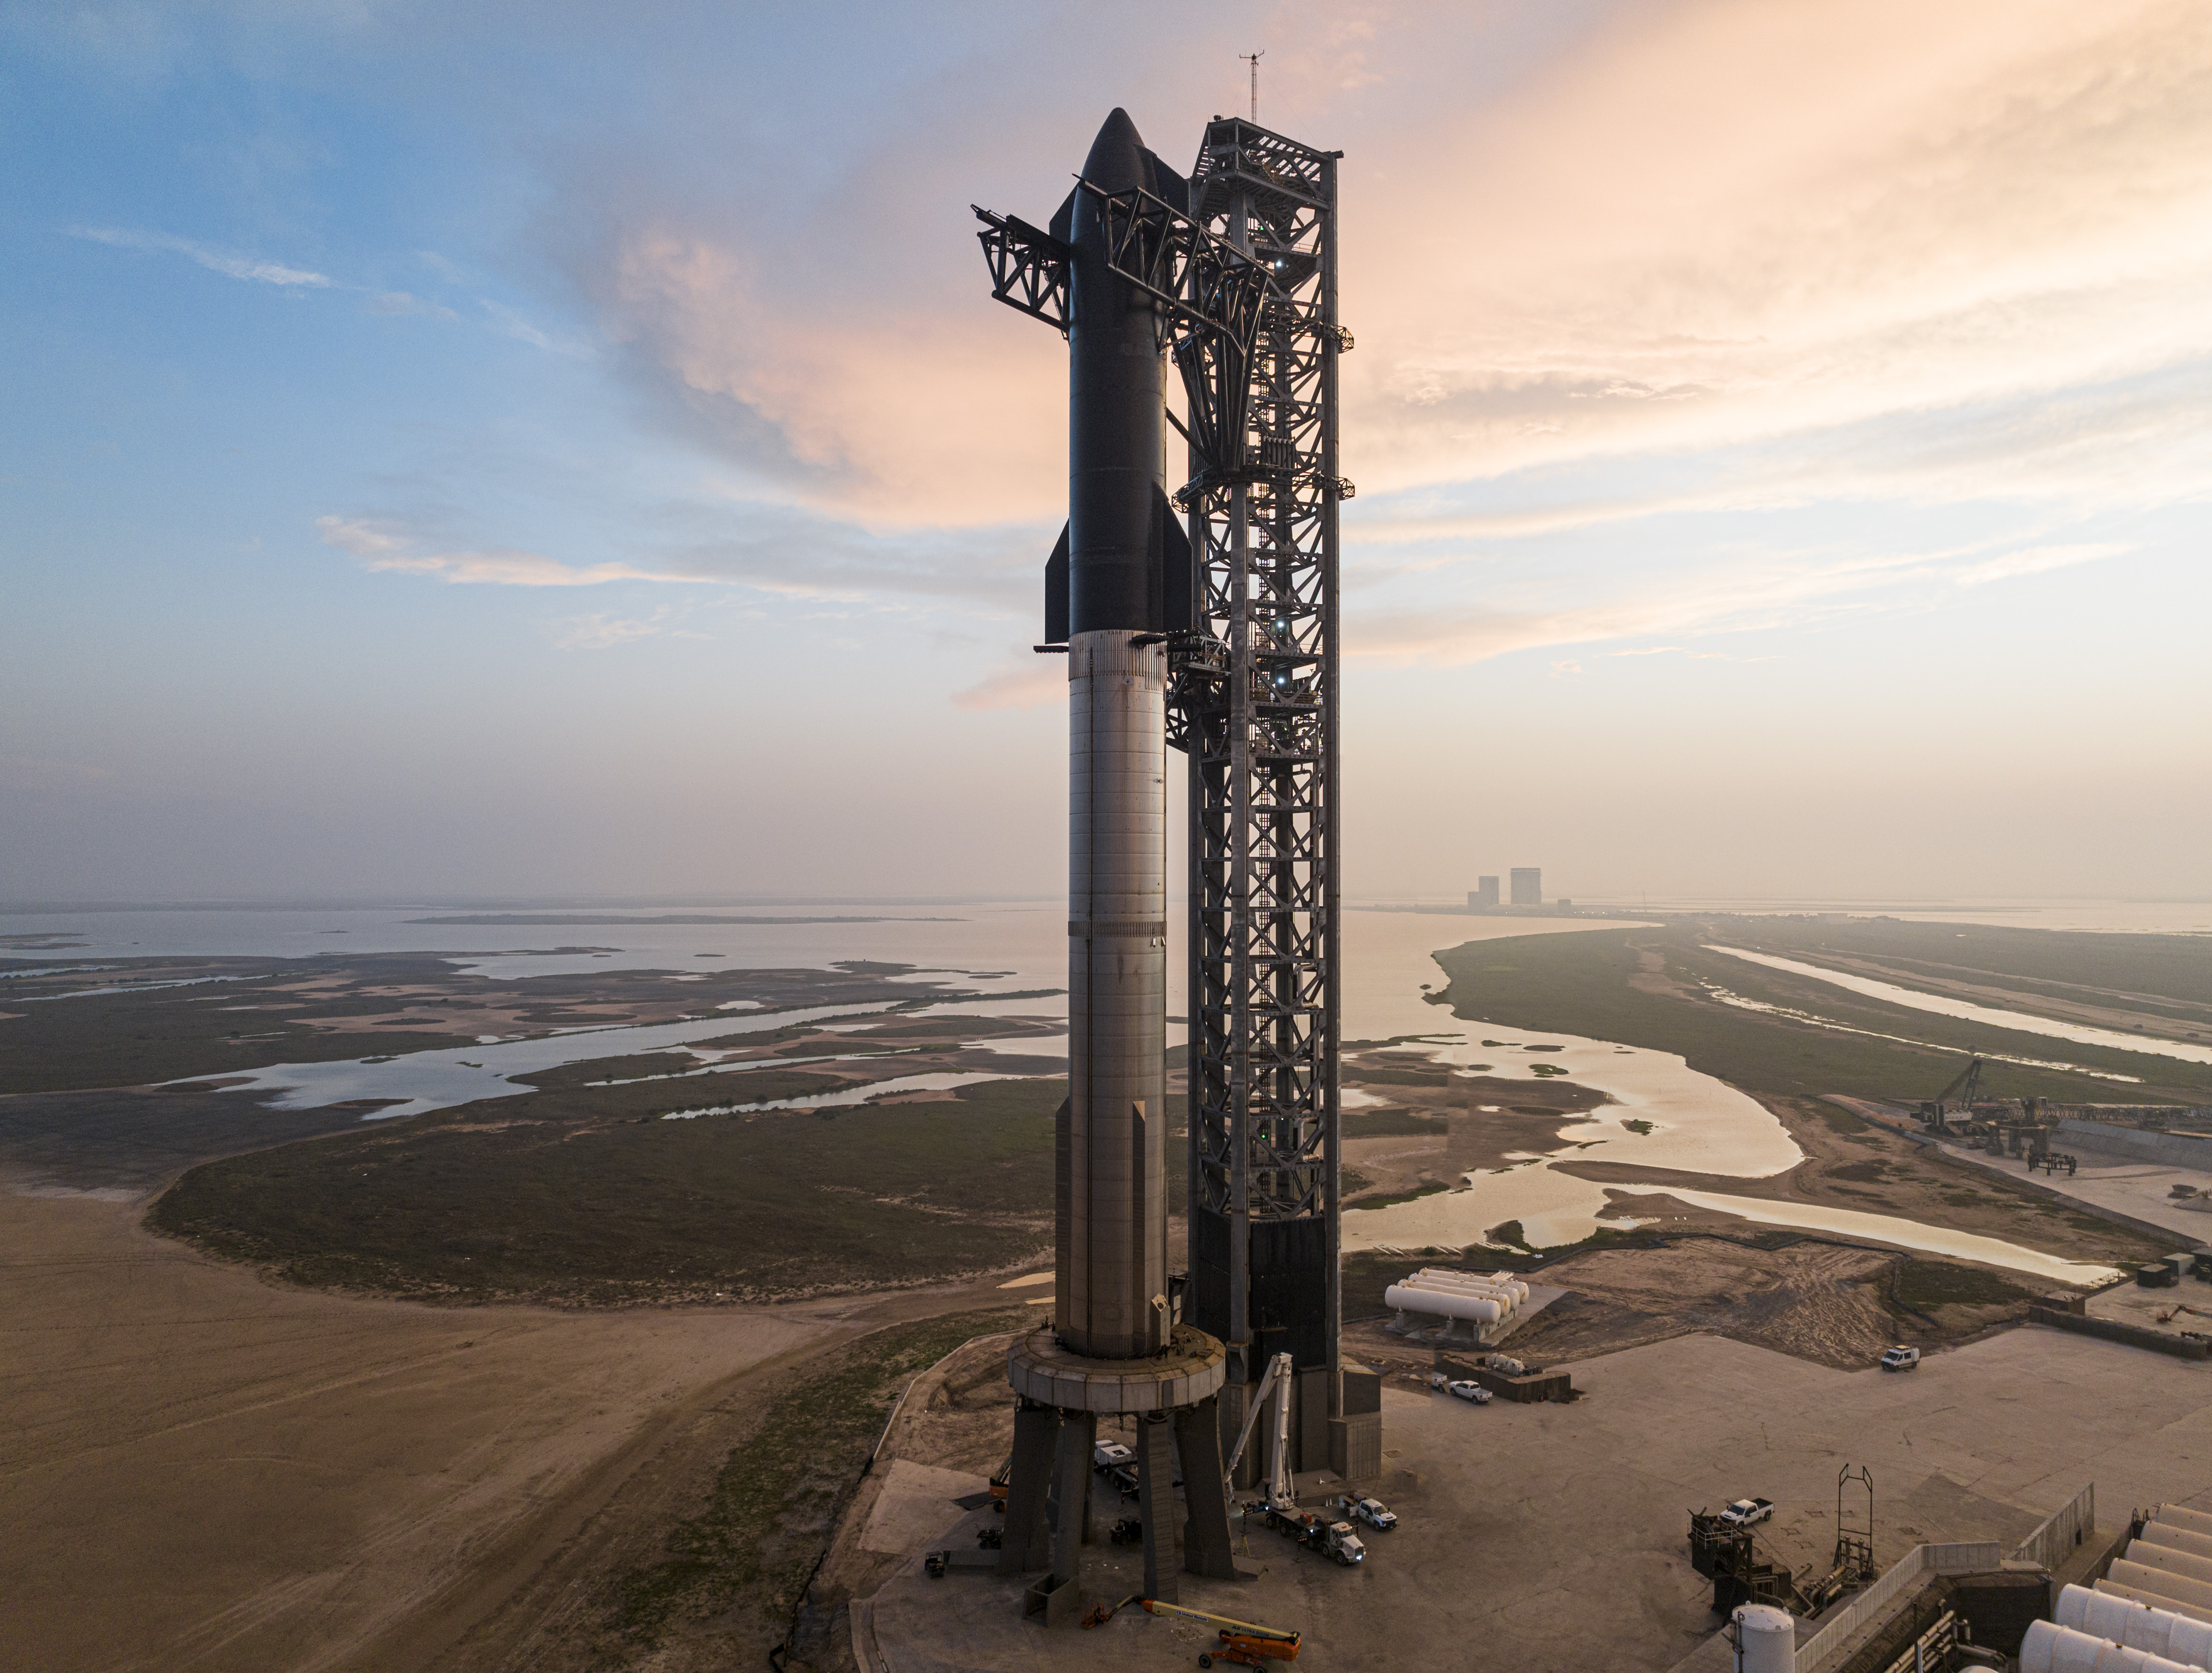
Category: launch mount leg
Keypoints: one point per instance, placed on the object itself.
(1205, 1547)
(1057, 1599)
(1156, 1505)
(1024, 1546)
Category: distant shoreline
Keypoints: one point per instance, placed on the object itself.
(572, 919)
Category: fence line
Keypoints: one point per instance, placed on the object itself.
(1970, 1557)
(2065, 1529)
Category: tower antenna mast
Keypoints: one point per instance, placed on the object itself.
(1253, 58)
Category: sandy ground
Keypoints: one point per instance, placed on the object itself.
(1863, 1167)
(1814, 1301)
(1553, 1537)
(2141, 1190)
(201, 1471)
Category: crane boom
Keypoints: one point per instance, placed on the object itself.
(1278, 1371)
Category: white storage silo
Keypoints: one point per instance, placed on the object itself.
(1765, 1639)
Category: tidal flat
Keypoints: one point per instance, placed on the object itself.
(278, 1213)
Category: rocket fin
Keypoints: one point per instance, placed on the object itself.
(1055, 591)
(1170, 187)
(1175, 612)
(1062, 225)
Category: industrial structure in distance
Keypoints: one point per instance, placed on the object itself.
(1526, 885)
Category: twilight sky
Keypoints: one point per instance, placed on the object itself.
(506, 449)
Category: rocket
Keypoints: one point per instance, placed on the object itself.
(1116, 583)
(1118, 587)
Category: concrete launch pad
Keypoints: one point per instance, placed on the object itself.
(1553, 1536)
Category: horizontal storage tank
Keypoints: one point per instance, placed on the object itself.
(1502, 1280)
(1506, 1292)
(1444, 1304)
(2195, 1521)
(2153, 1600)
(2050, 1648)
(2135, 1626)
(2141, 1576)
(1765, 1639)
(2151, 1554)
(2175, 1537)
(1461, 1286)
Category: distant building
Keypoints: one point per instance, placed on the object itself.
(1485, 896)
(1527, 885)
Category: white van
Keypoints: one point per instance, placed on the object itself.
(1900, 1358)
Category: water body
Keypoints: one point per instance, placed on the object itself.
(1698, 1124)
(1814, 1020)
(442, 1079)
(1966, 1011)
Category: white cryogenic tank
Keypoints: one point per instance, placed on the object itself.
(1766, 1640)
(2135, 1626)
(2175, 1537)
(1461, 1292)
(2153, 1553)
(1504, 1281)
(2054, 1649)
(1456, 1284)
(1444, 1304)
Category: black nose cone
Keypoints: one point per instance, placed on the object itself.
(1116, 162)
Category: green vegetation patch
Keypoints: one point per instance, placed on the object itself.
(1870, 1172)
(552, 1198)
(1391, 1199)
(1922, 1284)
(166, 1034)
(776, 1501)
(1581, 983)
(1359, 1075)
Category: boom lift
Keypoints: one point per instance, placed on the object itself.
(1277, 1381)
(1961, 1092)
(1242, 1642)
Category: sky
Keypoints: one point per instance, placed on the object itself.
(563, 449)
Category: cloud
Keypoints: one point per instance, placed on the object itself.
(1031, 683)
(235, 267)
(597, 633)
(1875, 220)
(895, 415)
(2035, 560)
(399, 302)
(1666, 230)
(1756, 592)
(508, 322)
(381, 548)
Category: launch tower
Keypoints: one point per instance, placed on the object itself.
(1204, 619)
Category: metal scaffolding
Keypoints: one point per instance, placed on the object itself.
(1254, 708)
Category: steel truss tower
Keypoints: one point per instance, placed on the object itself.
(1255, 710)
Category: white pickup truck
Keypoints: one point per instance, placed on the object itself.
(1746, 1511)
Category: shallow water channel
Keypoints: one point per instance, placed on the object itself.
(1697, 1123)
